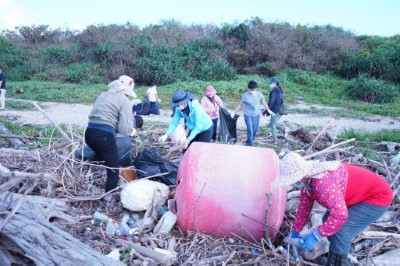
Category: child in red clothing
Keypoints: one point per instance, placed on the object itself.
(353, 196)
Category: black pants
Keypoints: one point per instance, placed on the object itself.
(103, 143)
(215, 123)
(204, 136)
(153, 108)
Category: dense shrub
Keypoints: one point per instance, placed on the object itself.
(378, 57)
(80, 72)
(171, 51)
(370, 90)
(57, 54)
(12, 58)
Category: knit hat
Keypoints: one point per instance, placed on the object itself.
(127, 84)
(181, 97)
(210, 91)
(293, 168)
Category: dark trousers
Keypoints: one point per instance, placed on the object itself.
(215, 123)
(204, 136)
(103, 143)
(153, 108)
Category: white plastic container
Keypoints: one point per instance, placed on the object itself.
(179, 135)
(166, 223)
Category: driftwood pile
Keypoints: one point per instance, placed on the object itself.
(48, 200)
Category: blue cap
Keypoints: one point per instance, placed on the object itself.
(274, 80)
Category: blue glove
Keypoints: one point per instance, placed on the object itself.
(309, 241)
(294, 234)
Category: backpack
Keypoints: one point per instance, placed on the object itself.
(283, 110)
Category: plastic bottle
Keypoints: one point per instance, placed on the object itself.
(100, 216)
(110, 228)
(166, 222)
(124, 227)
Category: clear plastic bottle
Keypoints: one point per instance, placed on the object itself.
(100, 216)
(110, 228)
(124, 227)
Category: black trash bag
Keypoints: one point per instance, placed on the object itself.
(145, 106)
(137, 108)
(227, 126)
(152, 163)
(124, 145)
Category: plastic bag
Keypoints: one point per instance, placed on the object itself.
(145, 106)
(152, 163)
(283, 110)
(227, 127)
(124, 145)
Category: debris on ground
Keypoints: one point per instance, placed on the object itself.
(48, 195)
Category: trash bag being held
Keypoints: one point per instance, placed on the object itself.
(227, 126)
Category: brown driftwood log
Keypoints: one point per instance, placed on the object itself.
(307, 137)
(28, 236)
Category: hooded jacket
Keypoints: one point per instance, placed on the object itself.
(197, 121)
(275, 99)
(113, 108)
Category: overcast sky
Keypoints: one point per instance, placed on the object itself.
(371, 17)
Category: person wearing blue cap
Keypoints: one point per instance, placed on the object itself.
(2, 89)
(196, 119)
(274, 103)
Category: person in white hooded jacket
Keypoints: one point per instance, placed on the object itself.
(111, 114)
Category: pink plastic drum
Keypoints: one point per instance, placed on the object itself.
(218, 185)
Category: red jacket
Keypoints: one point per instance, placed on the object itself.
(339, 189)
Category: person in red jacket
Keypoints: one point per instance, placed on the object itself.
(354, 198)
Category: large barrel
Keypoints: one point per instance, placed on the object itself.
(221, 190)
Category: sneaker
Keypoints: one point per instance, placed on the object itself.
(272, 143)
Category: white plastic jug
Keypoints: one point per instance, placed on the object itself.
(179, 135)
(165, 224)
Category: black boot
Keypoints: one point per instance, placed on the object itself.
(337, 260)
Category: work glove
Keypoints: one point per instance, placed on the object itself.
(271, 113)
(292, 238)
(309, 241)
(294, 234)
(159, 100)
(163, 138)
(133, 132)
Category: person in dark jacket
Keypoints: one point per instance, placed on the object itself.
(274, 104)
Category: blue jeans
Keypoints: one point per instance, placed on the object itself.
(252, 124)
(360, 216)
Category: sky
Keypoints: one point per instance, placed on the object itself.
(362, 17)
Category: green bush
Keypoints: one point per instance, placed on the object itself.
(41, 76)
(13, 58)
(57, 54)
(370, 90)
(80, 72)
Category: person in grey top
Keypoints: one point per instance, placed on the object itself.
(250, 103)
(111, 114)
